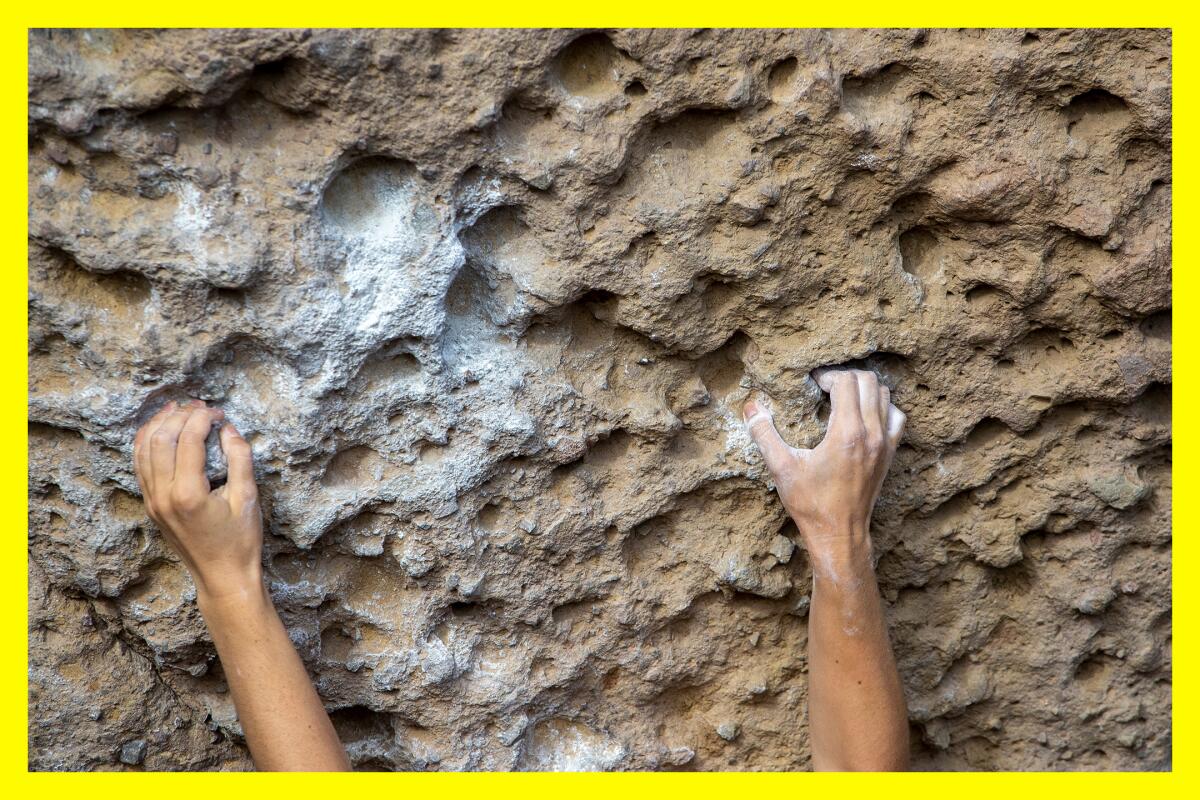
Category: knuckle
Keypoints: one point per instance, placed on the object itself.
(161, 437)
(186, 499)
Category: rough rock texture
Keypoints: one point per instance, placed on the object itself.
(486, 304)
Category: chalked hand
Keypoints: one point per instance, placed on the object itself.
(829, 490)
(216, 532)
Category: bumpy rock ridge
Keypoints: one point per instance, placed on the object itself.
(486, 302)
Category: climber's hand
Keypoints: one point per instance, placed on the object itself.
(218, 534)
(830, 490)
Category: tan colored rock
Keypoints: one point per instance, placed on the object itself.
(486, 304)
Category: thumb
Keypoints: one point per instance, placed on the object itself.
(761, 425)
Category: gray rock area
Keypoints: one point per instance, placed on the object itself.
(486, 304)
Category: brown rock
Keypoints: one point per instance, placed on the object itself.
(486, 304)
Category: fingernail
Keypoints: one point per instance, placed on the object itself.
(750, 409)
(170, 406)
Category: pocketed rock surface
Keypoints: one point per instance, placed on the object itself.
(486, 305)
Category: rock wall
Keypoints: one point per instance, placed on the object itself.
(486, 303)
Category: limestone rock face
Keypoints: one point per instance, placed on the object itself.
(486, 303)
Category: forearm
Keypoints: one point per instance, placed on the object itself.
(285, 723)
(856, 709)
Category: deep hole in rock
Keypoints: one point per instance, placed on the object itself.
(918, 251)
(587, 66)
(779, 82)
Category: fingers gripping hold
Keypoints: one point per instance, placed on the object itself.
(163, 440)
(860, 404)
(868, 403)
(190, 479)
(142, 467)
(845, 416)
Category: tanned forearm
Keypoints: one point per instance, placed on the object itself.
(285, 723)
(856, 711)
(218, 536)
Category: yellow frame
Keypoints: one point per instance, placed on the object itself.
(546, 13)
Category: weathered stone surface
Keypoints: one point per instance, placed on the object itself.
(486, 303)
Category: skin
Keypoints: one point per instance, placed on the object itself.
(856, 710)
(218, 536)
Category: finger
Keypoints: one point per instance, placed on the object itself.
(775, 452)
(139, 452)
(190, 478)
(844, 415)
(868, 403)
(240, 459)
(895, 426)
(141, 446)
(162, 445)
(885, 407)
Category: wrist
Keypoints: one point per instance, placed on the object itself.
(231, 592)
(844, 548)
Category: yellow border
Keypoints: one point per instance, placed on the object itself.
(608, 14)
(541, 13)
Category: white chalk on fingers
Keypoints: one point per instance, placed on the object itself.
(760, 413)
(895, 422)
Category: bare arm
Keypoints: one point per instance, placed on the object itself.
(856, 710)
(218, 535)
